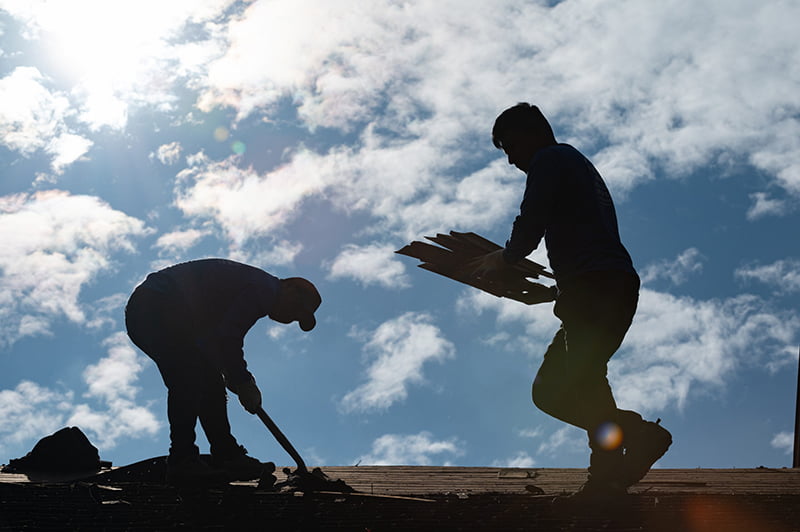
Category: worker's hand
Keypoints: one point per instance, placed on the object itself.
(249, 395)
(538, 293)
(488, 266)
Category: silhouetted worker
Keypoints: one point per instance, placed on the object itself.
(191, 319)
(567, 203)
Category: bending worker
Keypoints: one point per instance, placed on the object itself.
(191, 319)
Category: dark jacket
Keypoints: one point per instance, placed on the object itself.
(223, 300)
(567, 203)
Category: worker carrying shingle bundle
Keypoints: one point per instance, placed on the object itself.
(191, 319)
(567, 203)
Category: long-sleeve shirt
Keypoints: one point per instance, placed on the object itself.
(224, 299)
(567, 203)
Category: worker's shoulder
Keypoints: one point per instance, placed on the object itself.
(557, 159)
(560, 151)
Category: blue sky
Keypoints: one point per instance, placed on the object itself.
(316, 140)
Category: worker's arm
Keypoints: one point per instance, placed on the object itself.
(535, 211)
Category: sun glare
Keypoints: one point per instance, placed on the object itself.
(100, 39)
(110, 50)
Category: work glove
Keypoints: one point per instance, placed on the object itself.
(249, 395)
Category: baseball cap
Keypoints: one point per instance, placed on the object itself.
(310, 300)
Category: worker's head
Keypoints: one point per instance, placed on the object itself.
(298, 299)
(520, 131)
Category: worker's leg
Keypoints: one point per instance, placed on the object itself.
(571, 384)
(226, 453)
(157, 325)
(213, 411)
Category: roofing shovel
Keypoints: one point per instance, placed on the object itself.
(301, 479)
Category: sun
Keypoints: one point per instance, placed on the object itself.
(111, 52)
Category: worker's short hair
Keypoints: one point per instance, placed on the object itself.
(522, 117)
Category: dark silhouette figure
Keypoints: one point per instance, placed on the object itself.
(567, 203)
(191, 319)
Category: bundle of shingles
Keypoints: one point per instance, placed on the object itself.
(456, 250)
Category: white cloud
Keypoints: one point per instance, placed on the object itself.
(112, 382)
(398, 350)
(677, 270)
(372, 264)
(520, 459)
(31, 411)
(179, 241)
(277, 253)
(169, 153)
(29, 113)
(411, 449)
(783, 441)
(613, 88)
(782, 275)
(567, 439)
(538, 320)
(245, 204)
(66, 149)
(763, 205)
(34, 118)
(530, 433)
(54, 244)
(106, 311)
(677, 345)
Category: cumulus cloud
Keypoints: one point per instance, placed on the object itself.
(520, 459)
(30, 411)
(32, 118)
(397, 352)
(564, 440)
(783, 441)
(412, 449)
(677, 270)
(677, 345)
(112, 382)
(244, 203)
(54, 244)
(782, 275)
(764, 205)
(612, 87)
(372, 264)
(179, 241)
(169, 153)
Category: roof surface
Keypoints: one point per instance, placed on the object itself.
(416, 498)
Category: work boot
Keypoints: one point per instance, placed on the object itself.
(644, 444)
(239, 466)
(606, 476)
(193, 471)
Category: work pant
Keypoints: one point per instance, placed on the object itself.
(596, 311)
(160, 325)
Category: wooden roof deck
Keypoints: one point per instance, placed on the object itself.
(455, 498)
(422, 480)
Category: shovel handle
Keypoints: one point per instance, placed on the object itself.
(282, 439)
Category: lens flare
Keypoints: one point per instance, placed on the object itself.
(221, 134)
(238, 147)
(609, 436)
